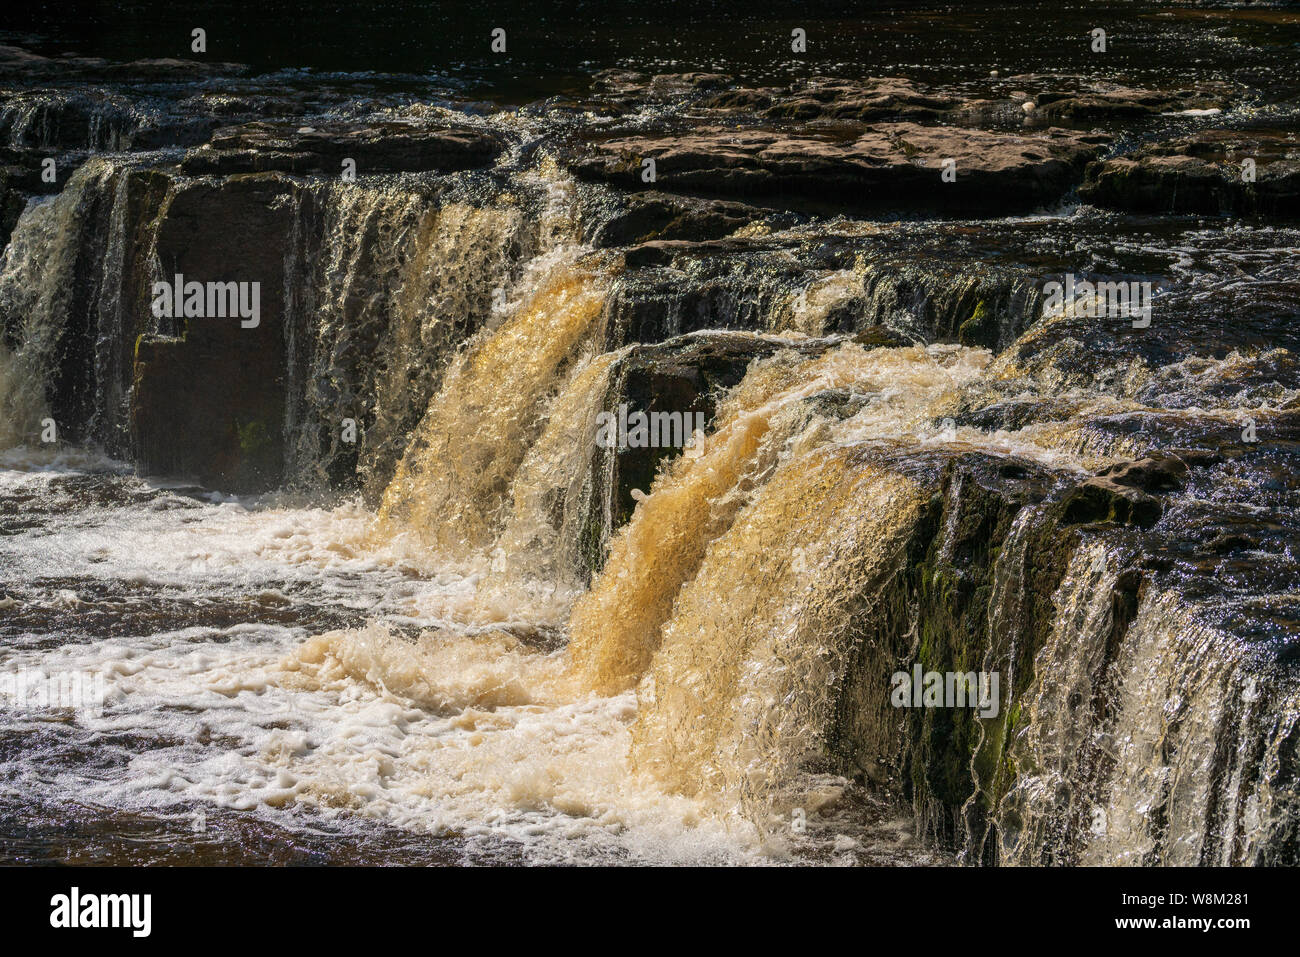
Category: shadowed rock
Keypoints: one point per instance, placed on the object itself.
(1123, 493)
(1203, 173)
(643, 217)
(210, 401)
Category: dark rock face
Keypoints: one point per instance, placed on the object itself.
(885, 166)
(935, 609)
(210, 400)
(12, 201)
(656, 216)
(665, 252)
(374, 147)
(945, 287)
(1104, 500)
(1123, 493)
(18, 62)
(1161, 472)
(979, 588)
(1203, 173)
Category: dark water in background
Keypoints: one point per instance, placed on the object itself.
(552, 47)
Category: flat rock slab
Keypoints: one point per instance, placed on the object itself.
(390, 147)
(884, 166)
(1035, 99)
(823, 98)
(1083, 100)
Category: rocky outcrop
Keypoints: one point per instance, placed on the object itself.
(944, 287)
(1203, 173)
(373, 147)
(1090, 101)
(1124, 493)
(886, 166)
(989, 581)
(658, 216)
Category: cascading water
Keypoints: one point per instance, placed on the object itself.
(62, 310)
(441, 622)
(553, 491)
(401, 279)
(450, 486)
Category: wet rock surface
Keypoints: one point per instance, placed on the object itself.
(1207, 172)
(1089, 102)
(1026, 99)
(372, 148)
(886, 166)
(661, 217)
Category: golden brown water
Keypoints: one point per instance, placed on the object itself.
(450, 489)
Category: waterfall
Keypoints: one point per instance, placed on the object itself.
(614, 634)
(615, 627)
(96, 120)
(385, 282)
(740, 689)
(339, 297)
(35, 281)
(1053, 800)
(66, 300)
(737, 683)
(1184, 698)
(449, 489)
(726, 654)
(552, 496)
(1144, 742)
(389, 281)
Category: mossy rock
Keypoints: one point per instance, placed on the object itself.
(981, 329)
